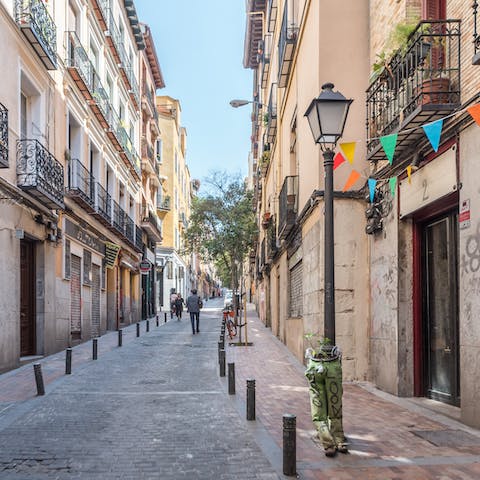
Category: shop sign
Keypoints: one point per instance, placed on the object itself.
(145, 267)
(84, 237)
(111, 254)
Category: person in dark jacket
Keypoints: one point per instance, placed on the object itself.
(193, 307)
(179, 302)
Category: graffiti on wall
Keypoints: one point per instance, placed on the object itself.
(470, 262)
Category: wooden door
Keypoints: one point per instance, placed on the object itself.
(27, 298)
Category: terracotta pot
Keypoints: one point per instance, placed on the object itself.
(435, 90)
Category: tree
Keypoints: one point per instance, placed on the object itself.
(222, 225)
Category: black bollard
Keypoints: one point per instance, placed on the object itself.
(231, 379)
(68, 361)
(120, 337)
(148, 326)
(157, 320)
(289, 445)
(250, 399)
(222, 363)
(138, 329)
(95, 348)
(165, 317)
(37, 368)
(220, 347)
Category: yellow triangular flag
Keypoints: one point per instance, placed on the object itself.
(409, 173)
(354, 176)
(349, 150)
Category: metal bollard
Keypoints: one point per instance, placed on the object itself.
(148, 326)
(231, 379)
(138, 329)
(250, 399)
(165, 317)
(289, 445)
(220, 347)
(157, 320)
(95, 348)
(222, 363)
(68, 361)
(37, 368)
(120, 332)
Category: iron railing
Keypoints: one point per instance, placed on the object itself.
(272, 10)
(271, 241)
(164, 203)
(272, 114)
(150, 219)
(288, 206)
(286, 46)
(3, 137)
(39, 173)
(266, 52)
(425, 74)
(129, 229)
(139, 238)
(118, 217)
(81, 182)
(38, 26)
(103, 203)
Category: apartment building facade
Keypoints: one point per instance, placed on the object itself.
(406, 241)
(72, 231)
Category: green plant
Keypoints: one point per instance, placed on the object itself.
(265, 159)
(318, 345)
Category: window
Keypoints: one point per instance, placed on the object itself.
(159, 150)
(87, 267)
(23, 116)
(67, 259)
(296, 291)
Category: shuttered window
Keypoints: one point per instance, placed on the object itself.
(296, 291)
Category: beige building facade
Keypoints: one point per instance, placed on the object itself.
(406, 233)
(76, 198)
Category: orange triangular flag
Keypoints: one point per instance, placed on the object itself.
(474, 111)
(409, 173)
(354, 176)
(349, 150)
(338, 160)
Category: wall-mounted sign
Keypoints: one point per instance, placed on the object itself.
(145, 267)
(431, 182)
(464, 215)
(111, 254)
(81, 235)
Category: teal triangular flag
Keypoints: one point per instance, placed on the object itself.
(388, 143)
(433, 131)
(371, 186)
(393, 183)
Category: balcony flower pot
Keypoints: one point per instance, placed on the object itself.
(435, 90)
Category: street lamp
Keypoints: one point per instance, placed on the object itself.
(240, 103)
(326, 116)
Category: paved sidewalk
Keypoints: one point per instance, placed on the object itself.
(385, 432)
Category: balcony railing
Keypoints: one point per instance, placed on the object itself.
(272, 114)
(149, 99)
(267, 46)
(103, 205)
(81, 184)
(476, 35)
(286, 46)
(272, 10)
(3, 137)
(38, 26)
(118, 217)
(130, 229)
(102, 12)
(262, 254)
(151, 224)
(420, 84)
(288, 206)
(271, 241)
(40, 174)
(164, 203)
(138, 238)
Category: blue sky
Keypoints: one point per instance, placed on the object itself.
(199, 45)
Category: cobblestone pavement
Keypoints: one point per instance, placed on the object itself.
(156, 408)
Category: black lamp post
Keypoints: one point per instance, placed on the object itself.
(327, 115)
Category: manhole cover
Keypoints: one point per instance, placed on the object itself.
(448, 438)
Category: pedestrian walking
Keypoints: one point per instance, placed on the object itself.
(173, 298)
(179, 302)
(194, 304)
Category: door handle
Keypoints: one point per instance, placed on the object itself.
(447, 350)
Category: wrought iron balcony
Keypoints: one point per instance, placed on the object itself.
(288, 206)
(271, 241)
(40, 174)
(272, 11)
(87, 79)
(267, 47)
(151, 224)
(164, 204)
(38, 26)
(130, 230)
(118, 218)
(103, 205)
(418, 85)
(81, 185)
(139, 245)
(101, 9)
(149, 101)
(476, 35)
(272, 114)
(286, 46)
(262, 255)
(3, 137)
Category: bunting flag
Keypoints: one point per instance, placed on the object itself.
(474, 111)
(338, 160)
(393, 183)
(389, 143)
(349, 150)
(354, 176)
(409, 173)
(433, 131)
(372, 183)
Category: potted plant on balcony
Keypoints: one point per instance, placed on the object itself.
(264, 162)
(267, 216)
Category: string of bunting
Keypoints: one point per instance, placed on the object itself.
(433, 132)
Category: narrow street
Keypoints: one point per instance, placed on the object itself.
(152, 409)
